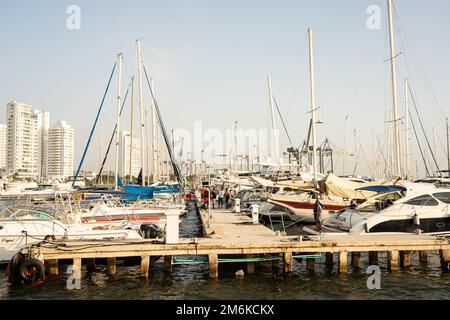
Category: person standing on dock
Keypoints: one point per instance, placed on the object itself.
(213, 198)
(220, 198)
(226, 197)
(318, 207)
(206, 199)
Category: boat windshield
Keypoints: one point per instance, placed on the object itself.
(442, 196)
(423, 201)
(379, 202)
(24, 213)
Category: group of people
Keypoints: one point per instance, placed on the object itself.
(220, 197)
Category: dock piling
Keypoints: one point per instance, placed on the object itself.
(342, 261)
(213, 266)
(52, 267)
(310, 263)
(356, 258)
(288, 261)
(145, 266)
(77, 265)
(392, 260)
(373, 258)
(111, 266)
(423, 257)
(405, 259)
(445, 257)
(329, 259)
(168, 263)
(250, 265)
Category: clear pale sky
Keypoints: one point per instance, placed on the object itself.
(210, 60)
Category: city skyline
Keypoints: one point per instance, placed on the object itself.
(210, 63)
(33, 149)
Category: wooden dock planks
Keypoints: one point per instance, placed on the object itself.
(235, 234)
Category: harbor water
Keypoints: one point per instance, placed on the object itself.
(191, 281)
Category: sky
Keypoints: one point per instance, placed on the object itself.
(209, 61)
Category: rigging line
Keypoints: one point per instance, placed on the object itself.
(443, 147)
(418, 144)
(381, 155)
(342, 129)
(385, 137)
(418, 63)
(343, 150)
(370, 166)
(298, 59)
(112, 137)
(176, 168)
(297, 79)
(93, 127)
(282, 121)
(357, 162)
(421, 125)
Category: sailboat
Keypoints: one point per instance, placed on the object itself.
(301, 202)
(419, 207)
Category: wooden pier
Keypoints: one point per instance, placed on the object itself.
(227, 233)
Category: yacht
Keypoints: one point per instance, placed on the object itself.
(424, 209)
(22, 227)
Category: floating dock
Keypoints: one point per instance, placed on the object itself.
(233, 237)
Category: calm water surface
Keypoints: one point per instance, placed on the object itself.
(192, 281)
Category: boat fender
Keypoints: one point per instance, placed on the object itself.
(12, 268)
(31, 271)
(448, 266)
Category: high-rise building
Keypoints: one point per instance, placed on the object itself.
(60, 155)
(22, 140)
(125, 157)
(43, 123)
(3, 145)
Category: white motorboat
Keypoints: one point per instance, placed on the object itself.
(23, 227)
(301, 204)
(425, 207)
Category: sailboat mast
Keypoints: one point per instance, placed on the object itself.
(272, 115)
(141, 116)
(119, 88)
(154, 138)
(231, 146)
(448, 149)
(131, 128)
(147, 148)
(313, 101)
(101, 151)
(396, 141)
(408, 171)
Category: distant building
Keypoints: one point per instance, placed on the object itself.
(60, 155)
(22, 140)
(3, 144)
(124, 154)
(43, 123)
